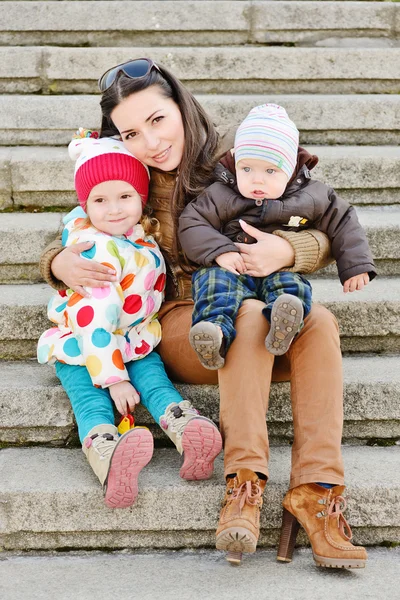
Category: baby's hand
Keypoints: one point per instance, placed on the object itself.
(231, 261)
(356, 283)
(125, 397)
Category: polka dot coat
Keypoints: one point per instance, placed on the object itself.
(116, 324)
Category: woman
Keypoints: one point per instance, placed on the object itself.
(162, 124)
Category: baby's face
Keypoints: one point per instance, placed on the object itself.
(258, 179)
(114, 207)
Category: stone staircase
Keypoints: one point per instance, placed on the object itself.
(335, 66)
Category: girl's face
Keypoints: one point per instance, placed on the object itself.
(114, 207)
(151, 128)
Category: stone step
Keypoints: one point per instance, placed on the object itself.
(50, 499)
(200, 23)
(202, 574)
(322, 119)
(23, 237)
(34, 409)
(223, 70)
(369, 320)
(42, 177)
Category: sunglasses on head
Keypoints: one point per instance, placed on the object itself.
(134, 69)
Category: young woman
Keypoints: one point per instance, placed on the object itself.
(163, 125)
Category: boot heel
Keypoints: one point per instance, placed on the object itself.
(289, 530)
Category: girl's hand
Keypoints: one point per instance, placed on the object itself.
(125, 397)
(231, 261)
(269, 254)
(356, 283)
(76, 272)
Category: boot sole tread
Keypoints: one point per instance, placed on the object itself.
(201, 444)
(207, 345)
(274, 344)
(237, 539)
(133, 452)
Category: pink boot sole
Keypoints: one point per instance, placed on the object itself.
(132, 452)
(201, 443)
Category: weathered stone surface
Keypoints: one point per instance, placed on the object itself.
(50, 499)
(34, 408)
(195, 22)
(257, 70)
(322, 119)
(43, 176)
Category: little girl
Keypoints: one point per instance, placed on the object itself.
(109, 335)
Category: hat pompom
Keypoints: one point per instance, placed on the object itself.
(75, 149)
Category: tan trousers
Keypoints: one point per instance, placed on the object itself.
(313, 365)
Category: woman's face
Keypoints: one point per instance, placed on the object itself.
(151, 128)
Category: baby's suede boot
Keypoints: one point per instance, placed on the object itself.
(320, 512)
(118, 460)
(194, 436)
(239, 522)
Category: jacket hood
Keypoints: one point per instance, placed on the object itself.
(226, 171)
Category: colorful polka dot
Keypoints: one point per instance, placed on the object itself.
(127, 281)
(43, 353)
(62, 306)
(156, 259)
(117, 360)
(74, 299)
(93, 365)
(64, 237)
(112, 314)
(85, 316)
(112, 380)
(160, 283)
(90, 252)
(140, 260)
(149, 280)
(71, 348)
(150, 304)
(50, 332)
(101, 292)
(133, 303)
(154, 328)
(100, 338)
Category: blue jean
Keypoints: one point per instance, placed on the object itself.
(93, 406)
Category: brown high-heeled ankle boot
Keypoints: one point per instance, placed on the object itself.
(320, 512)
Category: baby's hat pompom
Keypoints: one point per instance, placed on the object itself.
(78, 142)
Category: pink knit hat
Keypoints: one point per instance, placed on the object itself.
(105, 159)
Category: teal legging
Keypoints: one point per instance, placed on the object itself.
(93, 406)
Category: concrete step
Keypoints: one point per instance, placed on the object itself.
(23, 237)
(216, 70)
(50, 499)
(195, 23)
(369, 320)
(322, 119)
(34, 409)
(42, 177)
(203, 575)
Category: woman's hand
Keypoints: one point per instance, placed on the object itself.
(269, 254)
(125, 397)
(76, 272)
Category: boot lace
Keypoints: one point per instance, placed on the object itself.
(247, 493)
(178, 416)
(335, 510)
(104, 445)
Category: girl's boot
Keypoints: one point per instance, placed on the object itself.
(117, 461)
(320, 512)
(196, 437)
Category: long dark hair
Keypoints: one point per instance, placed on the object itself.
(201, 138)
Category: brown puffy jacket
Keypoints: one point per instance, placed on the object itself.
(209, 226)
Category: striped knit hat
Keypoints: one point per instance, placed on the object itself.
(105, 159)
(268, 134)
